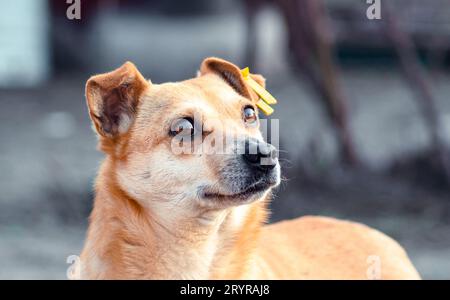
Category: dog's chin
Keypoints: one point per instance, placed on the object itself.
(249, 194)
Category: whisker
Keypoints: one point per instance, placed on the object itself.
(286, 163)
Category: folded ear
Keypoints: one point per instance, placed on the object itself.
(112, 99)
(232, 75)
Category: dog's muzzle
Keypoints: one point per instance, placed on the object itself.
(249, 173)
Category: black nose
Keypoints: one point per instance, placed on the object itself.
(260, 155)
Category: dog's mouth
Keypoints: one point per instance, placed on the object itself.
(255, 189)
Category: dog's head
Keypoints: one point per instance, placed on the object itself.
(191, 143)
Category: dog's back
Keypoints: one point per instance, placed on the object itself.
(326, 248)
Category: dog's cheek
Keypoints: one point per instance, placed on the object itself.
(185, 174)
(134, 176)
(160, 174)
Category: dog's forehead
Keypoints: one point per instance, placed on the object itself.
(213, 86)
(208, 93)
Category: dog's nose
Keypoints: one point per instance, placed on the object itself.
(260, 155)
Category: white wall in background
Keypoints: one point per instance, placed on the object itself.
(24, 44)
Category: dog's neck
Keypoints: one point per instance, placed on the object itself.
(126, 240)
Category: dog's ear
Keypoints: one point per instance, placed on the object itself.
(231, 74)
(112, 99)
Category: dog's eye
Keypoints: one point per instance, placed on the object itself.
(184, 127)
(249, 115)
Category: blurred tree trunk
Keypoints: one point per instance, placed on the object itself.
(311, 45)
(419, 81)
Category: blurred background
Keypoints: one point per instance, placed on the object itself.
(364, 110)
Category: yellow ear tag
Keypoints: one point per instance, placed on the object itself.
(266, 109)
(266, 98)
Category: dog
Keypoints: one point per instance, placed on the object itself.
(189, 215)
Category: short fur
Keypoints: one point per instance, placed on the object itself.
(149, 221)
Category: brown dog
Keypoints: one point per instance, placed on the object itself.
(191, 215)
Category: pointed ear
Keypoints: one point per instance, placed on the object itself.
(231, 74)
(112, 99)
